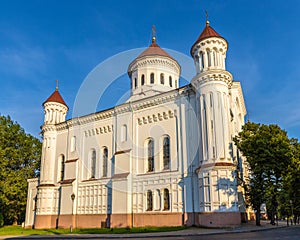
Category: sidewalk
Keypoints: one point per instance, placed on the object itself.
(192, 231)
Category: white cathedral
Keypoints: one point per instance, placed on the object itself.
(165, 157)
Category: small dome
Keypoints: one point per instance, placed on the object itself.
(56, 97)
(207, 32)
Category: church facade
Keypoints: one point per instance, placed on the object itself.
(165, 157)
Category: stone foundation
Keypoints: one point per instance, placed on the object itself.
(161, 219)
(45, 221)
(219, 219)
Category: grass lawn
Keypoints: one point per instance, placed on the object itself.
(18, 230)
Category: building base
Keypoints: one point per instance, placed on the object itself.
(210, 219)
(219, 219)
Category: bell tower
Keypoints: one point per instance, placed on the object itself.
(216, 172)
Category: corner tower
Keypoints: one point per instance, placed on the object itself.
(154, 71)
(55, 110)
(216, 172)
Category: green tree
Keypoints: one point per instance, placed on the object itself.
(290, 199)
(268, 152)
(19, 160)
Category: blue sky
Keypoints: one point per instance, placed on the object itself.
(41, 41)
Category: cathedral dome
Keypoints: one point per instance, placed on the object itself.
(154, 49)
(152, 72)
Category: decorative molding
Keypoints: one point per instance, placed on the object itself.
(120, 175)
(213, 75)
(97, 131)
(155, 60)
(122, 151)
(217, 164)
(71, 160)
(155, 100)
(156, 117)
(67, 181)
(46, 185)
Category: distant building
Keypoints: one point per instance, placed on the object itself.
(165, 157)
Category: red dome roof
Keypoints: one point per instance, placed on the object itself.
(207, 32)
(56, 97)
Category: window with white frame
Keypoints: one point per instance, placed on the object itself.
(149, 201)
(152, 78)
(166, 152)
(105, 161)
(166, 199)
(162, 79)
(92, 161)
(61, 160)
(150, 155)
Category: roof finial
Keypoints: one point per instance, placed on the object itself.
(56, 88)
(206, 15)
(153, 34)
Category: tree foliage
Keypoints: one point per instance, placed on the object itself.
(19, 160)
(269, 154)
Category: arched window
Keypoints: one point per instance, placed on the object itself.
(215, 57)
(166, 199)
(170, 81)
(150, 155)
(152, 78)
(124, 133)
(93, 163)
(202, 60)
(162, 78)
(73, 144)
(208, 58)
(143, 80)
(149, 200)
(105, 159)
(62, 167)
(135, 83)
(166, 152)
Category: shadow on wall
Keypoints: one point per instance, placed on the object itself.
(229, 189)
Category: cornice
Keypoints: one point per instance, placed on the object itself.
(213, 76)
(209, 41)
(119, 109)
(154, 60)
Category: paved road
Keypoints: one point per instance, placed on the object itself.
(291, 233)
